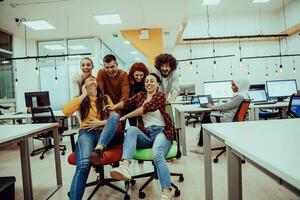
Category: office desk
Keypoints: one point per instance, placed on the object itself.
(254, 109)
(272, 146)
(27, 117)
(180, 110)
(12, 116)
(181, 102)
(19, 133)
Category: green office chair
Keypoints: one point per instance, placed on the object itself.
(146, 155)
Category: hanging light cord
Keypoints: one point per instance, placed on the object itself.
(260, 23)
(280, 52)
(208, 24)
(284, 18)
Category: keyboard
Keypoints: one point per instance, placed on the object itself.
(265, 103)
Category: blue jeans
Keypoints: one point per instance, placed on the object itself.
(136, 139)
(86, 142)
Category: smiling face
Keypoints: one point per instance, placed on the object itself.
(165, 70)
(111, 68)
(234, 87)
(151, 84)
(86, 66)
(138, 76)
(91, 86)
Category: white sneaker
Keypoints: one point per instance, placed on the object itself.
(197, 149)
(121, 173)
(166, 197)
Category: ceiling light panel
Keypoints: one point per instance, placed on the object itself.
(77, 47)
(39, 25)
(260, 1)
(210, 2)
(108, 19)
(54, 47)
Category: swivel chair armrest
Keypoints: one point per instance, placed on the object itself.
(72, 139)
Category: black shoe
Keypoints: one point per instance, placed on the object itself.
(96, 156)
(140, 161)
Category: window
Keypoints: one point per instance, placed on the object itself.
(6, 67)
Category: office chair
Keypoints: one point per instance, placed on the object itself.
(294, 106)
(146, 155)
(4, 108)
(239, 116)
(193, 117)
(111, 156)
(45, 115)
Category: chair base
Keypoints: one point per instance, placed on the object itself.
(101, 181)
(153, 175)
(223, 150)
(46, 148)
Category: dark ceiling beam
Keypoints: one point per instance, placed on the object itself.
(48, 56)
(204, 58)
(270, 56)
(235, 37)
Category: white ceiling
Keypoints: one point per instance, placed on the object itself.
(74, 19)
(235, 6)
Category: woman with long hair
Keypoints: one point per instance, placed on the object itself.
(97, 128)
(136, 76)
(154, 130)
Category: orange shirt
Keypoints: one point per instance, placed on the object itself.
(117, 87)
(74, 105)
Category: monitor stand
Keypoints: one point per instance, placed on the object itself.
(184, 97)
(281, 99)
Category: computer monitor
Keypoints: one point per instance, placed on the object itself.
(281, 88)
(187, 89)
(257, 95)
(37, 99)
(218, 89)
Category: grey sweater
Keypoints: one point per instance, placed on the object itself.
(229, 108)
(169, 84)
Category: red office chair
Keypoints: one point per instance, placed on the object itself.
(239, 116)
(111, 155)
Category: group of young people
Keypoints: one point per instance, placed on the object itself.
(139, 96)
(114, 96)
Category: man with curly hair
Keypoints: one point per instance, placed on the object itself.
(165, 68)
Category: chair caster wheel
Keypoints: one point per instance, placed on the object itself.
(32, 154)
(142, 195)
(215, 160)
(177, 193)
(181, 178)
(41, 157)
(63, 153)
(132, 182)
(126, 197)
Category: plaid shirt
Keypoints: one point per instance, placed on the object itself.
(158, 102)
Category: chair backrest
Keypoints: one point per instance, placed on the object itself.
(42, 115)
(241, 112)
(294, 106)
(46, 115)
